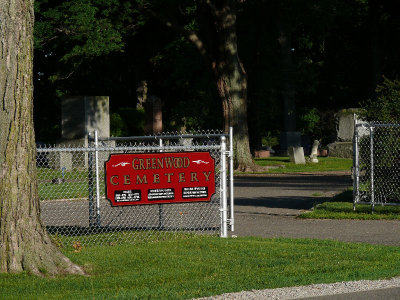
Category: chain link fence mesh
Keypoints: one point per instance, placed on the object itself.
(71, 211)
(377, 163)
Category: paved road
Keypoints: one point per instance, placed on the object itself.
(267, 206)
(286, 194)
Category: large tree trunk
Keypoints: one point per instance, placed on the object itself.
(24, 243)
(232, 83)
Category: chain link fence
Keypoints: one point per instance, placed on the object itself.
(376, 163)
(71, 182)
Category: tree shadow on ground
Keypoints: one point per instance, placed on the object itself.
(288, 202)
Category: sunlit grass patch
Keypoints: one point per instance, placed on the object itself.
(341, 207)
(205, 266)
(283, 165)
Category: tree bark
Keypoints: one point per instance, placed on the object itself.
(24, 243)
(231, 80)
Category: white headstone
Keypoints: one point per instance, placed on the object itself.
(314, 152)
(296, 155)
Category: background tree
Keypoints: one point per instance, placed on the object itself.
(24, 243)
(94, 28)
(213, 32)
(339, 52)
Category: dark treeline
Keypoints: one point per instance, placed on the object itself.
(322, 55)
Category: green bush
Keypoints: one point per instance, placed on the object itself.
(308, 121)
(117, 125)
(385, 106)
(270, 139)
(127, 121)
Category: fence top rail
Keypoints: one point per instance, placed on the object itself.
(162, 137)
(128, 148)
(372, 124)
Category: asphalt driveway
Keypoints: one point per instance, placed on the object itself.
(267, 206)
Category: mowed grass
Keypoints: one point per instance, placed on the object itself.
(343, 210)
(325, 164)
(75, 185)
(341, 207)
(67, 190)
(205, 266)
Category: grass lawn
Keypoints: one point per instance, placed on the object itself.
(325, 164)
(75, 186)
(67, 190)
(341, 207)
(205, 266)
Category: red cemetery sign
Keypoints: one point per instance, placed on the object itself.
(151, 178)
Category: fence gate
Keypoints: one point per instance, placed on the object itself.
(376, 171)
(83, 197)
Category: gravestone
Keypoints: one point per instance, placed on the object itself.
(296, 155)
(345, 128)
(80, 116)
(314, 152)
(343, 146)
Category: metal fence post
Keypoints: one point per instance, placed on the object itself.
(96, 145)
(356, 164)
(371, 137)
(92, 219)
(160, 143)
(231, 195)
(160, 206)
(224, 210)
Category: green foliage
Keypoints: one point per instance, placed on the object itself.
(308, 121)
(127, 121)
(270, 139)
(385, 106)
(108, 46)
(318, 124)
(117, 125)
(79, 30)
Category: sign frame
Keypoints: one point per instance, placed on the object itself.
(185, 182)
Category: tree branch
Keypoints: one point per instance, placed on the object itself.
(213, 9)
(190, 35)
